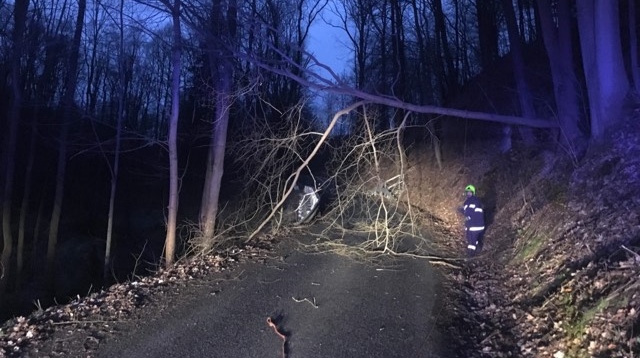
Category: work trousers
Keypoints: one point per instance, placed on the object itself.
(474, 239)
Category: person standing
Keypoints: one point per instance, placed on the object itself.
(473, 220)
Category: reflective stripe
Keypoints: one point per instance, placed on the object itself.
(472, 206)
(476, 228)
(471, 247)
(478, 210)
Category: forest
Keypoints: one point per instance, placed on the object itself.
(137, 132)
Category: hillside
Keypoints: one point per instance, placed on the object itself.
(558, 276)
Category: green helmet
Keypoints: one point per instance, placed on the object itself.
(471, 188)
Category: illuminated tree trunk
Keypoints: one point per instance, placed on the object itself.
(116, 160)
(170, 240)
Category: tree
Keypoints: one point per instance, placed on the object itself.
(219, 46)
(8, 158)
(557, 41)
(607, 83)
(68, 104)
(487, 14)
(524, 93)
(116, 160)
(176, 53)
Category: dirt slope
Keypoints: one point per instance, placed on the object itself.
(559, 275)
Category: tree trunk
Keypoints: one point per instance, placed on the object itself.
(524, 92)
(216, 152)
(116, 159)
(607, 84)
(633, 46)
(487, 32)
(176, 54)
(222, 72)
(68, 108)
(26, 199)
(557, 41)
(449, 74)
(8, 160)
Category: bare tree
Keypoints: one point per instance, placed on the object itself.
(524, 93)
(176, 53)
(487, 14)
(116, 160)
(68, 104)
(219, 45)
(9, 152)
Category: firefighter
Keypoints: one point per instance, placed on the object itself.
(473, 220)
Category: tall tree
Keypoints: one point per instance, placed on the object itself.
(524, 92)
(219, 45)
(487, 31)
(176, 60)
(557, 41)
(449, 76)
(9, 152)
(68, 104)
(116, 160)
(607, 83)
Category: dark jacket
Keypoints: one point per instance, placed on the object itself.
(473, 214)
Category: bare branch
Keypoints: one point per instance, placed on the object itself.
(294, 177)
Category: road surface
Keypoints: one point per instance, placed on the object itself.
(324, 304)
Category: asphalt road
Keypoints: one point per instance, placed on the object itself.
(325, 305)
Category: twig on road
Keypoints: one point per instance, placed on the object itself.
(306, 299)
(271, 324)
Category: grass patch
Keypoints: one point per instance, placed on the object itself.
(578, 327)
(530, 248)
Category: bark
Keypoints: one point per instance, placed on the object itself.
(176, 54)
(557, 41)
(9, 152)
(68, 112)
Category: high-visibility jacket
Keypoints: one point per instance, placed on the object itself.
(473, 214)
